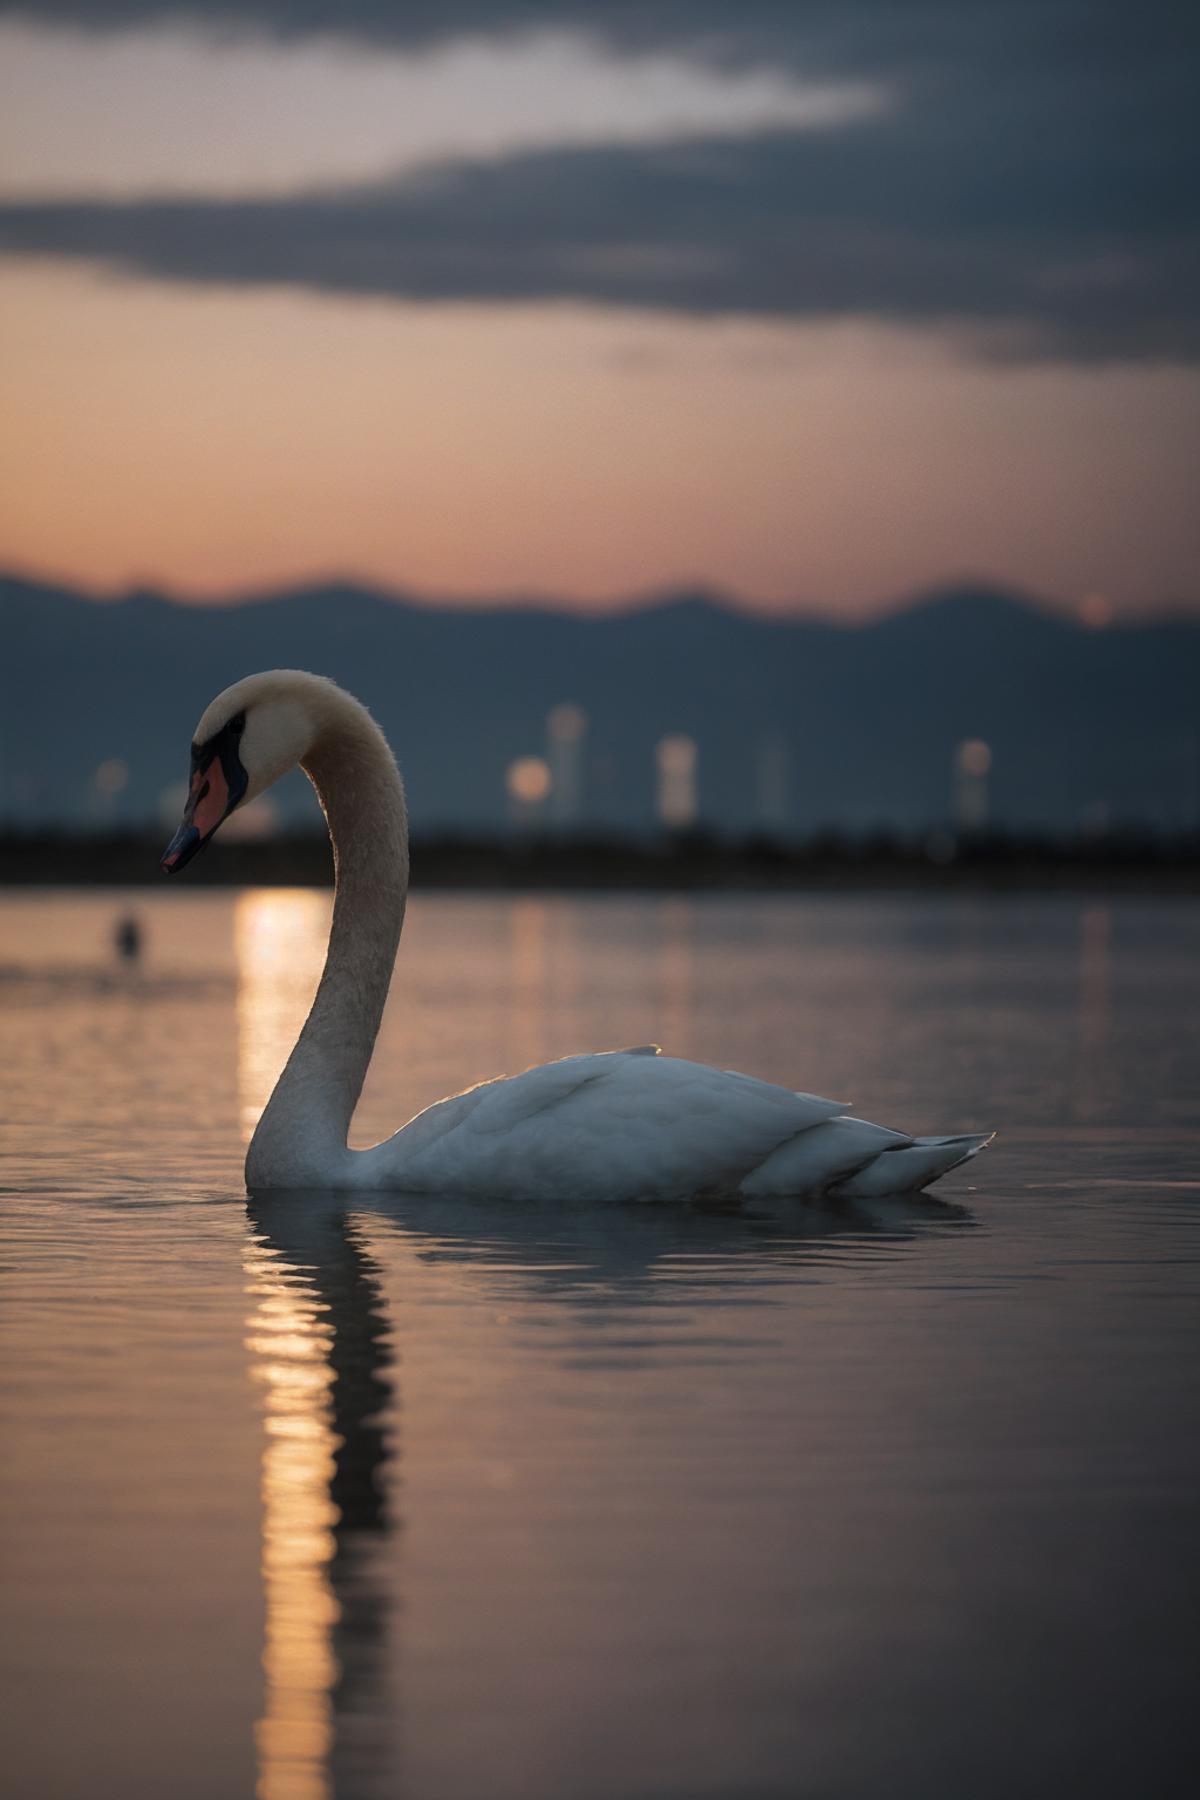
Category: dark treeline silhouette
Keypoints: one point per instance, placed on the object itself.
(1132, 859)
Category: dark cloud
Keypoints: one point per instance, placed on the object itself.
(1035, 182)
(1092, 258)
(631, 24)
(832, 32)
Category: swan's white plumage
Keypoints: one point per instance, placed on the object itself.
(614, 1125)
(610, 1126)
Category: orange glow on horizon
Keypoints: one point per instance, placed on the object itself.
(219, 443)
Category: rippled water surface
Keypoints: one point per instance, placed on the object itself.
(447, 1502)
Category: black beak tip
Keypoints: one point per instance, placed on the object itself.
(181, 849)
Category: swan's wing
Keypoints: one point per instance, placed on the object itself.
(617, 1125)
(505, 1101)
(510, 1102)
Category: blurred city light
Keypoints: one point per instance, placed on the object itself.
(972, 761)
(527, 782)
(111, 778)
(566, 727)
(676, 758)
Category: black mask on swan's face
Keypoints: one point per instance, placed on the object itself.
(218, 784)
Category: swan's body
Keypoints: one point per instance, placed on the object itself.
(619, 1125)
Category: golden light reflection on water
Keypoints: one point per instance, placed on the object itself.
(279, 943)
(291, 1341)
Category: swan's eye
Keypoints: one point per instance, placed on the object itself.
(238, 724)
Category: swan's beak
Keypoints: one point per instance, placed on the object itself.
(218, 783)
(181, 849)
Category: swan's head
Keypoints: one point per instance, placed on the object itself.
(252, 734)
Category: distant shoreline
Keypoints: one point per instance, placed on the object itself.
(696, 863)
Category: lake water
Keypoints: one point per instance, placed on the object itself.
(469, 1502)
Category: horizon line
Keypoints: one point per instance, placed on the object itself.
(1090, 611)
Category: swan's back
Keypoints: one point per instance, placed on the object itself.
(633, 1124)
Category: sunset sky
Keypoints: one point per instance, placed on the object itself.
(819, 304)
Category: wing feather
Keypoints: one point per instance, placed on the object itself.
(614, 1125)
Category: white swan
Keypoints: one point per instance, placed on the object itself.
(620, 1125)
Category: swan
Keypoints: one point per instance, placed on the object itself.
(612, 1126)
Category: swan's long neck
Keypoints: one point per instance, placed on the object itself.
(301, 1137)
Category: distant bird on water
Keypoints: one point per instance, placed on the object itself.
(614, 1126)
(127, 939)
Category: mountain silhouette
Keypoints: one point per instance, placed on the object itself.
(1082, 723)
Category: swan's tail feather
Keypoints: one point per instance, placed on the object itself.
(814, 1159)
(914, 1165)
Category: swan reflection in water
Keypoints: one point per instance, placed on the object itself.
(323, 1353)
